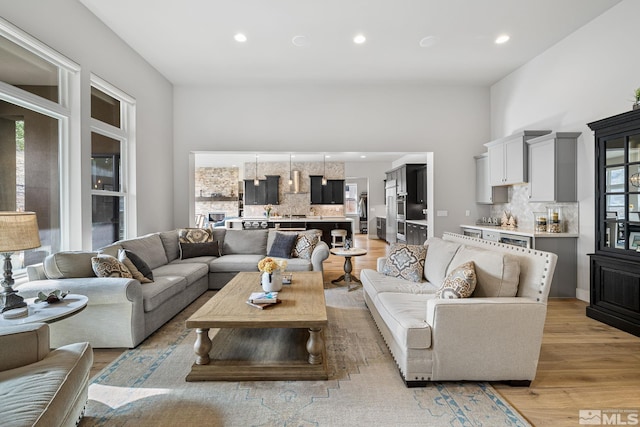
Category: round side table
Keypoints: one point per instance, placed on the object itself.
(49, 313)
(347, 277)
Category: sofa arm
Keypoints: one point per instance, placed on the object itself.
(489, 338)
(22, 345)
(319, 254)
(380, 264)
(99, 290)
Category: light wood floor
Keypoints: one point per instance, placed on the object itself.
(584, 364)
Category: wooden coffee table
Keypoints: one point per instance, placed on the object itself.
(281, 342)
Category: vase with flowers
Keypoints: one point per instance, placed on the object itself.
(267, 210)
(272, 273)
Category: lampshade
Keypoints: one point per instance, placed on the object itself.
(18, 231)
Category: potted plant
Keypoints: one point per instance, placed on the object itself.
(636, 105)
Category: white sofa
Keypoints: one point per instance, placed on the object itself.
(41, 387)
(495, 335)
(122, 312)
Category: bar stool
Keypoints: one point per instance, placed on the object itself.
(338, 238)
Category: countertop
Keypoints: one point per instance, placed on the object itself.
(416, 221)
(526, 232)
(287, 219)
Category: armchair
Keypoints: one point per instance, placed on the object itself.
(39, 386)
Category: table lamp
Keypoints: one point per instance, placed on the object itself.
(18, 232)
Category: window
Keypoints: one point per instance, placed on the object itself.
(112, 203)
(35, 118)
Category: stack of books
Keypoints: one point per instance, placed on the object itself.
(263, 300)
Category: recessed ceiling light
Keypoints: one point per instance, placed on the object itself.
(359, 39)
(300, 41)
(363, 157)
(328, 156)
(502, 39)
(240, 38)
(429, 41)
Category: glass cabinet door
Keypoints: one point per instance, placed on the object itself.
(619, 200)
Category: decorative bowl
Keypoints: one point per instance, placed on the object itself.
(52, 297)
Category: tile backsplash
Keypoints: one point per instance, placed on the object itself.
(522, 210)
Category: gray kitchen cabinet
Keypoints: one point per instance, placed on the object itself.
(552, 167)
(486, 193)
(508, 158)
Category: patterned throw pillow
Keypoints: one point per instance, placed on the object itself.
(406, 262)
(195, 235)
(460, 283)
(108, 266)
(305, 244)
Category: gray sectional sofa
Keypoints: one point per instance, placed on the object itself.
(494, 335)
(122, 312)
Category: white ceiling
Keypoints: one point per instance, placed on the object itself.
(191, 41)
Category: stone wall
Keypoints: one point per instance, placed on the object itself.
(217, 182)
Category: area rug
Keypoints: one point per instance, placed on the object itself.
(146, 386)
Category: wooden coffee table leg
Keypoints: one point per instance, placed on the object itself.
(315, 346)
(202, 346)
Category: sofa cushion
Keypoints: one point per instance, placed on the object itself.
(67, 265)
(126, 257)
(375, 282)
(161, 290)
(298, 264)
(191, 271)
(405, 316)
(460, 283)
(405, 261)
(108, 266)
(149, 248)
(245, 242)
(170, 243)
(112, 250)
(235, 262)
(439, 256)
(497, 273)
(282, 245)
(193, 250)
(195, 235)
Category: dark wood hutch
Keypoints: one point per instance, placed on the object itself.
(615, 264)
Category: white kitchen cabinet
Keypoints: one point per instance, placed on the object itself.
(485, 193)
(552, 167)
(508, 158)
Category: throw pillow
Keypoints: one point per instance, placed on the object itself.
(282, 245)
(195, 235)
(406, 262)
(140, 264)
(126, 257)
(306, 242)
(460, 283)
(108, 266)
(192, 250)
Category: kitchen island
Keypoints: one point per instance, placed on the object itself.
(324, 223)
(565, 245)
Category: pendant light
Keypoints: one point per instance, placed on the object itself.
(324, 169)
(256, 181)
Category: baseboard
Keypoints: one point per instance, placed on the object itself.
(583, 295)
